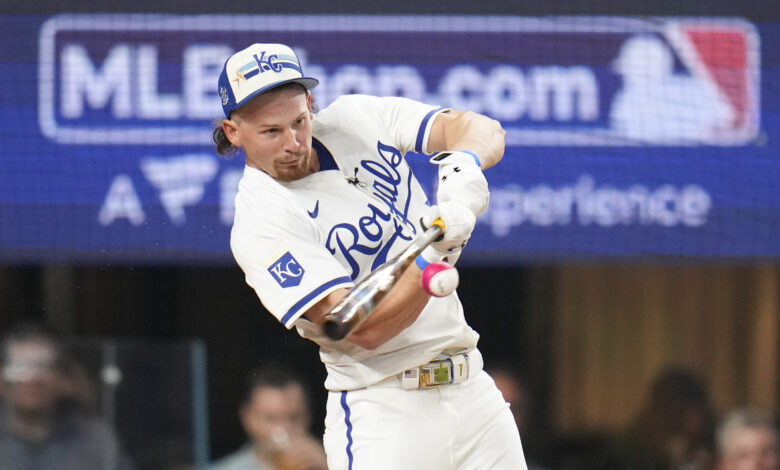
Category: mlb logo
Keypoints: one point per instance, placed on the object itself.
(287, 271)
(695, 83)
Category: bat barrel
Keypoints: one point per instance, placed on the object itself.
(336, 330)
(352, 310)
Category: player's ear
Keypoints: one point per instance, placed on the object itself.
(309, 103)
(230, 128)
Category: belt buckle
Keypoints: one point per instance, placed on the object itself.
(435, 374)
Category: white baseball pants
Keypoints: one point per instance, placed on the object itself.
(466, 426)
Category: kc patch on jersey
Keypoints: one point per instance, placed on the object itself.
(287, 271)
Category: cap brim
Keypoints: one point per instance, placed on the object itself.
(307, 83)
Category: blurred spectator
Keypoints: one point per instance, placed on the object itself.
(675, 429)
(45, 419)
(517, 393)
(748, 440)
(275, 416)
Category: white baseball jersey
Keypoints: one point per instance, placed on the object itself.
(299, 241)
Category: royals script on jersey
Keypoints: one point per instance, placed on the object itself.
(299, 241)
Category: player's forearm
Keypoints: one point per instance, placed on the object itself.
(465, 130)
(399, 309)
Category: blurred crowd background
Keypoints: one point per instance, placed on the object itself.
(131, 341)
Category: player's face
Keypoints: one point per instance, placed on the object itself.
(274, 130)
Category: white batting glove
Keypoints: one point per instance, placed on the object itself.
(458, 224)
(461, 180)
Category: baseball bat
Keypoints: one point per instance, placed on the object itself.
(363, 298)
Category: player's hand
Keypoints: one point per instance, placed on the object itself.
(461, 181)
(458, 224)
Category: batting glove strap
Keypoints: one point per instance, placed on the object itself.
(464, 157)
(461, 181)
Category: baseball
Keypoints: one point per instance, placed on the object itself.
(440, 279)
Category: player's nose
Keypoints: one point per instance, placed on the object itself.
(291, 140)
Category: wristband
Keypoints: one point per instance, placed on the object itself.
(476, 160)
(429, 255)
(421, 262)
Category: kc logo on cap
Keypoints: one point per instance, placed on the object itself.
(256, 69)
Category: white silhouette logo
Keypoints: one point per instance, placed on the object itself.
(181, 181)
(658, 107)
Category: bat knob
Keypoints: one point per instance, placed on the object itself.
(439, 223)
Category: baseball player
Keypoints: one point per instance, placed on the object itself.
(324, 200)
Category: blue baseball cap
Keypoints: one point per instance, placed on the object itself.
(258, 68)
